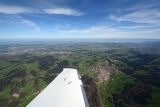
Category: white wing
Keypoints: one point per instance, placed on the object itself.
(66, 90)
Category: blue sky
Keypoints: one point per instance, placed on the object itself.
(79, 19)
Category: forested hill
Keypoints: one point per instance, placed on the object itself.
(114, 74)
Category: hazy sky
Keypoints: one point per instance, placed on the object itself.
(80, 19)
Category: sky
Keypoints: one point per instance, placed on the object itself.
(78, 19)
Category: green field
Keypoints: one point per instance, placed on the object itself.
(133, 72)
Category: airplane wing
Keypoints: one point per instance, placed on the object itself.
(66, 90)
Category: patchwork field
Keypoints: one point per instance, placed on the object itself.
(113, 74)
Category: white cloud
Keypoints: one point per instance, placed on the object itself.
(7, 9)
(145, 22)
(91, 30)
(140, 27)
(63, 11)
(30, 23)
(108, 32)
(13, 9)
(143, 14)
(27, 22)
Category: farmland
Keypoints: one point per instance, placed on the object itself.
(113, 74)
